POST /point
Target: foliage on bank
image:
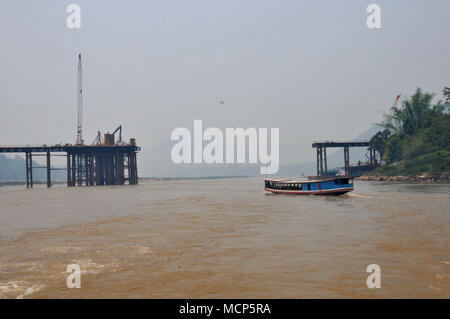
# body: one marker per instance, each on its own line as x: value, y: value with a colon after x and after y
x: 416, y: 136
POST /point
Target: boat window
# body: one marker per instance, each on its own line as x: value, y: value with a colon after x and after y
x: 343, y: 181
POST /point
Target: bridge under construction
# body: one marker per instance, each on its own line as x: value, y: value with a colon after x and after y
x: 89, y: 165
x: 321, y: 150
x: 104, y: 162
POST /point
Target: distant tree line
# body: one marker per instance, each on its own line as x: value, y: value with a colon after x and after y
x: 416, y: 135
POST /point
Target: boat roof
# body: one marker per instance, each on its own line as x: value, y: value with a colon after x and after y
x: 303, y: 181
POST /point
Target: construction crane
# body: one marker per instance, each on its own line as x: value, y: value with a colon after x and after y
x: 80, y: 103
x: 396, y: 101
x: 120, y: 133
x: 98, y: 139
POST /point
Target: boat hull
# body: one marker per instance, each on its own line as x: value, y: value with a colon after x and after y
x: 332, y: 187
x: 331, y: 192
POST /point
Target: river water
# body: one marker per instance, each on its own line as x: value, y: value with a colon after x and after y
x: 224, y: 238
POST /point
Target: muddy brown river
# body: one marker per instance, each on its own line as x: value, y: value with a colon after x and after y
x: 224, y: 238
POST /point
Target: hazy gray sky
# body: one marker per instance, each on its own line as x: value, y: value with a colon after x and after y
x: 311, y: 68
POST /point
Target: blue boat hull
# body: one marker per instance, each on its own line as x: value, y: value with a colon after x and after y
x: 331, y: 187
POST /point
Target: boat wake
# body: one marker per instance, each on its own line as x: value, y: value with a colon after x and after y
x: 359, y: 196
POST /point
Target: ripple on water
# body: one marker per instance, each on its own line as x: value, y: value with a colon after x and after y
x: 19, y: 289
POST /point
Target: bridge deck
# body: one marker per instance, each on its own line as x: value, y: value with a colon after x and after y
x: 340, y: 144
x: 67, y: 148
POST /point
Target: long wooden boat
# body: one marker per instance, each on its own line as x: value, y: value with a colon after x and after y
x: 332, y: 186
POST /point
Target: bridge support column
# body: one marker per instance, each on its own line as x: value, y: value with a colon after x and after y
x: 318, y: 165
x: 69, y: 183
x: 321, y: 161
x: 26, y: 170
x: 99, y: 175
x: 49, y: 182
x: 29, y: 169
x: 347, y: 160
x: 108, y: 169
x: 119, y: 168
x: 92, y: 170
x: 132, y: 168
x: 136, y: 179
x: 74, y: 171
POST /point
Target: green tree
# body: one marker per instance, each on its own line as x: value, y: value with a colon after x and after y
x: 378, y: 141
x: 416, y: 135
x: 410, y: 116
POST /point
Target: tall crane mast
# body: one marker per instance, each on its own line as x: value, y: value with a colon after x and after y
x: 80, y: 103
x: 396, y: 101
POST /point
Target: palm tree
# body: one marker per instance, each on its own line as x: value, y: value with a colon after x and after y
x: 410, y: 116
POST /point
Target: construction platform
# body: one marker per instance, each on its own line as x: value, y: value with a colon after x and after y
x: 321, y: 150
x: 90, y: 165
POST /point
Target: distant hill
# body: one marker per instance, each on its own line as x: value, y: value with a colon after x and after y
x: 13, y: 170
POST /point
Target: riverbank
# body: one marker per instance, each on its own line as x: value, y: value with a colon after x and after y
x: 401, y: 178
